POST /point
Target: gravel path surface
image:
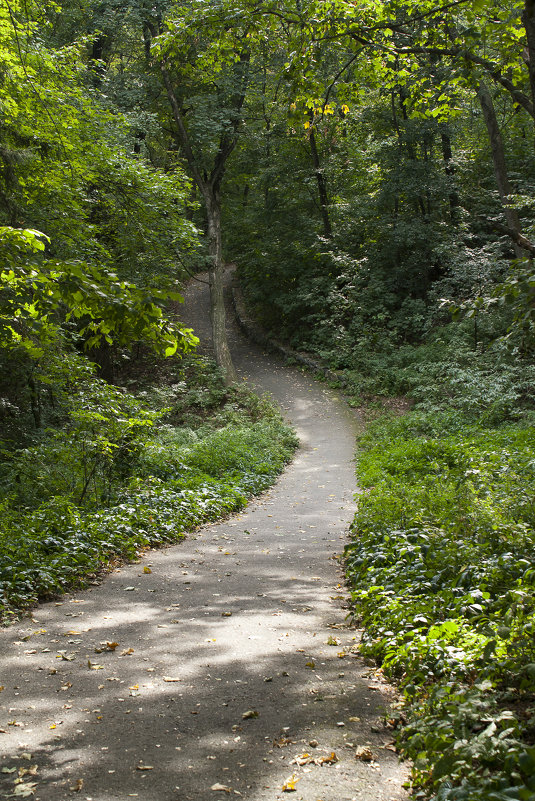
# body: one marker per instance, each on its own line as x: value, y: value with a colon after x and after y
x: 229, y: 662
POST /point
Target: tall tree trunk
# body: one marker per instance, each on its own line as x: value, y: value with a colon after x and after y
x: 500, y: 166
x: 449, y: 169
x: 217, y: 303
x: 322, y: 185
x: 209, y: 188
x: 528, y: 21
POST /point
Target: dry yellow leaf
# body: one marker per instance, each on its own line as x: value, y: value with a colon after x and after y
x: 289, y: 784
x: 326, y: 760
x: 220, y: 787
x: 147, y: 570
x: 127, y: 652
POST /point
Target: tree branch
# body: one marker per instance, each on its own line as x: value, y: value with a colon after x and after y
x: 181, y: 129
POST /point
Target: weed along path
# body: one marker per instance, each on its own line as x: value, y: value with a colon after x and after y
x: 229, y: 670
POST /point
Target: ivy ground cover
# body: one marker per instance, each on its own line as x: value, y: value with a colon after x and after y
x: 442, y: 572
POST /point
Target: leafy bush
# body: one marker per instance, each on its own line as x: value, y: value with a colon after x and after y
x: 441, y: 569
x: 117, y: 478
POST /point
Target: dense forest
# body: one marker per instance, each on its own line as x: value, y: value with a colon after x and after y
x: 370, y: 169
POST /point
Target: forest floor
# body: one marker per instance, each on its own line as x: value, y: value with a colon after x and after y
x: 220, y: 667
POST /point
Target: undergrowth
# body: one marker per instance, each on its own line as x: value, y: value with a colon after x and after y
x: 127, y: 471
x: 442, y: 574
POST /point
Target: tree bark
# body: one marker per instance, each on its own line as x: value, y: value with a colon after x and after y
x: 528, y: 21
x: 449, y: 169
x: 500, y: 166
x: 217, y: 301
x: 322, y: 186
x: 209, y: 188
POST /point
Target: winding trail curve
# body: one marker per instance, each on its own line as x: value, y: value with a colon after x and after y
x: 238, y: 618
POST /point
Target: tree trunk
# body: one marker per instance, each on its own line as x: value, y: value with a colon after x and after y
x: 209, y: 188
x: 217, y: 303
x: 500, y: 166
x: 528, y: 20
x: 449, y: 169
x: 322, y: 186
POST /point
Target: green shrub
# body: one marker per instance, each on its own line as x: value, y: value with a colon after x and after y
x: 116, y: 478
x: 442, y: 576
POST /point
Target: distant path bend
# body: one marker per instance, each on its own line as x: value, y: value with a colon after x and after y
x: 244, y: 616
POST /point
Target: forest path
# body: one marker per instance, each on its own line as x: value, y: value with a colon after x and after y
x: 236, y: 618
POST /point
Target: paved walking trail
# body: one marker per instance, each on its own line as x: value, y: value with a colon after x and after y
x: 236, y: 619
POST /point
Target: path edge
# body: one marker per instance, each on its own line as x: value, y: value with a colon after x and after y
x: 257, y: 334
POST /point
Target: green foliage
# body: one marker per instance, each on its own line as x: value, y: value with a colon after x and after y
x: 116, y: 477
x: 442, y: 577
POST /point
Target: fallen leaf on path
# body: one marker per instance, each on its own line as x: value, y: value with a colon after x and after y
x: 2, y: 687
x: 77, y: 786
x: 66, y: 657
x: 220, y: 787
x: 289, y: 784
x: 171, y: 678
x: 226, y: 614
x: 311, y: 665
x: 326, y: 760
x: 127, y: 652
x: 144, y: 767
x: 251, y: 713
x: 25, y: 789
x: 93, y: 666
x: 308, y: 759
x: 129, y: 589
x: 147, y: 570
x: 31, y: 771
x: 302, y: 759
x: 364, y: 754
x: 8, y: 770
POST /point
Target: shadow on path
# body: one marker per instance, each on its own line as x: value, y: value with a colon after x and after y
x: 244, y: 616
